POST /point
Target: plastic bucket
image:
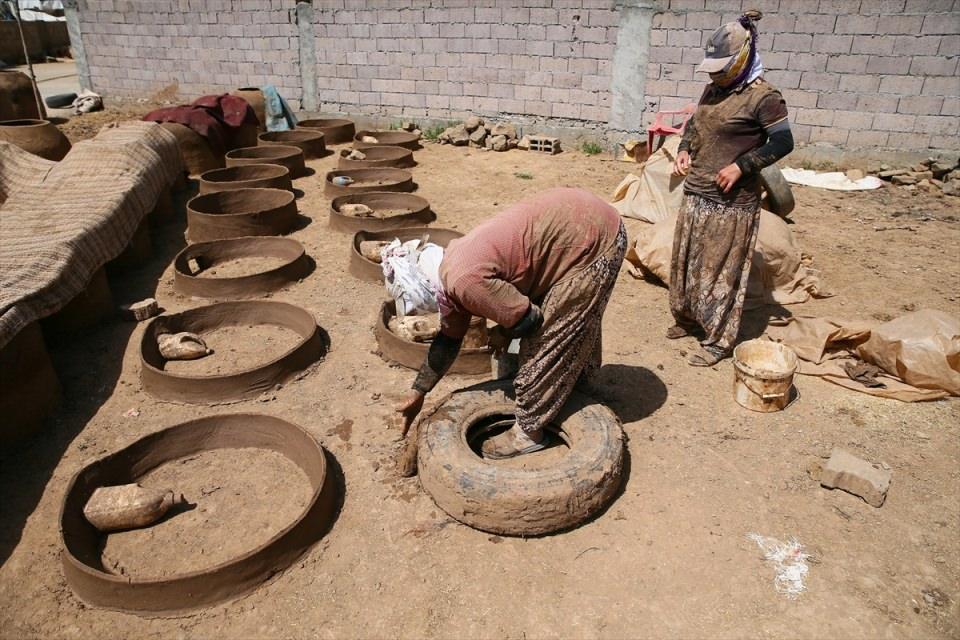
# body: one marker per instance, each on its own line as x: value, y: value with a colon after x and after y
x: 763, y: 375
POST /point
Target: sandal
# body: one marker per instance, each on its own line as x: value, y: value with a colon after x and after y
x: 680, y: 331
x: 706, y: 358
x: 503, y: 446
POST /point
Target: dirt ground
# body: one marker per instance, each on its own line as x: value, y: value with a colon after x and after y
x: 669, y: 558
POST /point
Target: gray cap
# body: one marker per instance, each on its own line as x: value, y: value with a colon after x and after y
x: 725, y: 43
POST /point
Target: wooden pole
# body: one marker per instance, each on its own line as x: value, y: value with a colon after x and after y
x: 26, y: 56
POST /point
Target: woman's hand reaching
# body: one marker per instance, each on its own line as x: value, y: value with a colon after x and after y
x: 682, y: 164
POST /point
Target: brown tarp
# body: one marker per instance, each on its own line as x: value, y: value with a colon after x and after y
x: 919, y: 353
x: 61, y: 221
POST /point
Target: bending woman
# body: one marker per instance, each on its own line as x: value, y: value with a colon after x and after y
x: 543, y: 270
x: 739, y: 128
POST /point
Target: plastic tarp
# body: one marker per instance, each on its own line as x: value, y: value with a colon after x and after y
x: 832, y: 180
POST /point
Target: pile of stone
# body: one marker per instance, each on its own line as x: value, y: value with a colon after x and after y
x: 484, y: 135
x: 929, y: 174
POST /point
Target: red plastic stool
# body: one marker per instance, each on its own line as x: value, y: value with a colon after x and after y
x: 664, y: 129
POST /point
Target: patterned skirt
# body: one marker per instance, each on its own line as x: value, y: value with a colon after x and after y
x: 568, y: 344
x: 712, y: 251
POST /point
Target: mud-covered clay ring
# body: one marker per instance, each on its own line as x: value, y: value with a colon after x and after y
x: 238, y: 385
x: 365, y: 269
x: 82, y: 562
x: 209, y: 254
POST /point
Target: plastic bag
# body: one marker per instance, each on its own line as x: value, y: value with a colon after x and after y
x: 411, y: 276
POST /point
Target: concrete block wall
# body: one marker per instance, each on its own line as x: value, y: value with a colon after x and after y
x: 854, y: 73
x: 137, y: 47
x: 450, y: 58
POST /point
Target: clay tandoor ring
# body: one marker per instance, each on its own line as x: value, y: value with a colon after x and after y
x: 420, y: 213
x: 390, y: 180
x: 209, y: 254
x: 241, y: 212
x: 365, y: 269
x: 409, y: 354
x: 240, y: 385
x: 310, y: 141
x: 247, y: 176
x: 335, y: 130
x: 398, y: 157
x: 387, y: 138
x: 82, y: 562
x: 290, y: 157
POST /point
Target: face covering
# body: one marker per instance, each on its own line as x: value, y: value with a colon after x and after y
x: 745, y: 67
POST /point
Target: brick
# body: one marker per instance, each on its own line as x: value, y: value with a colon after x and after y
x: 900, y: 24
x: 858, y: 24
x: 941, y: 87
x: 878, y: 103
x: 837, y: 100
x: 511, y: 46
x: 888, y: 65
x: 832, y: 43
x: 704, y: 20
x: 796, y: 98
x: 941, y: 23
x: 678, y: 38
x: 676, y: 72
x: 830, y: 135
x: 928, y: 6
x: 819, y: 81
x: 539, y: 48
x: 908, y: 141
x: 603, y: 18
x: 856, y: 120
x: 859, y: 83
x: 801, y: 133
x: 853, y: 475
x: 601, y: 51
x: 808, y: 62
x: 894, y: 122
x: 877, y: 45
x: 792, y: 42
x: 784, y: 79
x: 537, y: 108
x: 779, y: 23
x: 516, y: 16
x: 920, y: 105
x: 870, y: 7
x: 933, y: 66
x: 864, y: 139
x: 691, y: 55
x: 487, y: 14
x: 813, y: 116
x: 669, y: 21
x: 917, y: 45
x: 937, y: 125
x: 901, y: 85
x: 839, y: 6
x: 687, y: 5
x: 774, y: 60
x: 847, y: 64
x: 814, y: 23
x: 661, y: 88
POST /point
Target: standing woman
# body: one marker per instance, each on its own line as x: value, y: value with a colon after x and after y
x: 543, y: 270
x: 739, y: 128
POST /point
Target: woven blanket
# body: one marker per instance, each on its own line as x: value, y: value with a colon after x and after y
x: 60, y: 222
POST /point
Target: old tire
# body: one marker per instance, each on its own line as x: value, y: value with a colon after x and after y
x: 514, y: 501
x: 779, y: 196
x: 60, y: 100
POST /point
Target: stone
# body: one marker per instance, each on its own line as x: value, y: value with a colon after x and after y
x: 488, y: 143
x: 472, y: 123
x: 890, y: 173
x: 357, y: 210
x: 952, y: 188
x: 903, y: 179
x: 416, y: 132
x: 524, y: 143
x: 499, y: 143
x: 925, y: 184
x: 142, y: 310
x: 457, y: 135
x: 952, y: 176
x: 937, y: 183
x: 507, y: 130
x: 408, y: 126
x: 356, y: 154
x: 940, y: 169
x: 920, y: 167
x: 853, y: 475
x: 854, y: 175
x: 922, y: 175
x: 478, y: 135
x: 884, y: 167
x: 512, y: 143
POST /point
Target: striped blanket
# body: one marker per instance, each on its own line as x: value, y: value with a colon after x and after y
x: 61, y: 221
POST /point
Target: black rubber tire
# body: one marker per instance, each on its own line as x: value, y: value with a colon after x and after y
x: 61, y: 100
x: 779, y: 196
x: 514, y: 501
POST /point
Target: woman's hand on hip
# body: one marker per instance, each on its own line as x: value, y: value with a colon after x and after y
x: 408, y: 409
x: 682, y: 164
x: 728, y: 177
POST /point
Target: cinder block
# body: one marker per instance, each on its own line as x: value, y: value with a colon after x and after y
x: 664, y: 54
x: 669, y: 21
x: 852, y: 23
x: 913, y: 141
x: 793, y: 42
x: 950, y: 44
x: 900, y: 24
x: 878, y: 103
x: 859, y: 83
x: 819, y: 81
x: 878, y: 45
x: 686, y: 5
x: 822, y: 117
x: 937, y: 125
x: 511, y: 46
x: 796, y: 98
x: 847, y: 63
x: 661, y: 88
x: 837, y: 100
x: 832, y: 43
x: 598, y: 50
x: 830, y: 135
x: 901, y: 85
x: 853, y: 120
x: 894, y: 122
x: 683, y: 38
x: 871, y: 7
x: 602, y: 18
x: 859, y: 139
x: 784, y: 79
x: 813, y: 23
x: 933, y: 66
x: 889, y: 65
x: 934, y: 86
x: 856, y: 476
x: 503, y: 31
x: 928, y: 6
x: 946, y: 24
x: 490, y: 15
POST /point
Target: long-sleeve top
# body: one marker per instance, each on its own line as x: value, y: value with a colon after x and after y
x: 513, y: 259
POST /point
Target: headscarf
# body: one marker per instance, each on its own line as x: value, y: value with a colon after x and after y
x: 745, y: 66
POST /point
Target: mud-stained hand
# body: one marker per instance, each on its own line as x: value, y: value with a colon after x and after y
x: 498, y: 340
x: 408, y: 409
x: 728, y: 177
x: 682, y: 164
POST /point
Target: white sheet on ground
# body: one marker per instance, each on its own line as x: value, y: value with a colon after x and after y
x: 833, y: 180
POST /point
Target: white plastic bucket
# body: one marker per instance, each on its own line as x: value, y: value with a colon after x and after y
x: 763, y: 375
